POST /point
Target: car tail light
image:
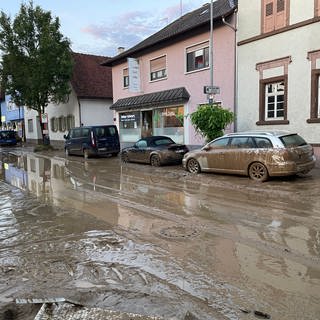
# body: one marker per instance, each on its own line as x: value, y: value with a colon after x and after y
x: 93, y: 141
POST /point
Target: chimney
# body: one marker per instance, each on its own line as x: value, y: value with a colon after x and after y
x: 120, y: 50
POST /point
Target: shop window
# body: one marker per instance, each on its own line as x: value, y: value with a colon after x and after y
x: 275, y: 14
x: 30, y: 125
x: 273, y: 100
x: 126, y: 78
x: 130, y: 126
x: 198, y: 57
x: 169, y: 122
x: 158, y: 68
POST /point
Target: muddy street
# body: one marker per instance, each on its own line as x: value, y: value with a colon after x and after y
x: 156, y: 241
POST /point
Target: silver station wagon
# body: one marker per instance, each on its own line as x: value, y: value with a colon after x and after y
x: 257, y: 154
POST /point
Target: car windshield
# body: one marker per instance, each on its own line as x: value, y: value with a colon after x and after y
x: 163, y: 141
x: 292, y: 140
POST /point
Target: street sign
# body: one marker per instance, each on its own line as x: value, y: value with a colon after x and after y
x: 211, y: 89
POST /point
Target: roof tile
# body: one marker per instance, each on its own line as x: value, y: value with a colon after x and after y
x: 90, y: 79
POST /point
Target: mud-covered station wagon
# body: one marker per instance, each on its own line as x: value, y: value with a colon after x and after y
x: 259, y: 155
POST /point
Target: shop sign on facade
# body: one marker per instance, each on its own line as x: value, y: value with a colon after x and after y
x: 129, y: 117
x: 134, y: 75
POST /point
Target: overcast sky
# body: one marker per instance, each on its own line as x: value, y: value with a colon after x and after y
x: 101, y: 26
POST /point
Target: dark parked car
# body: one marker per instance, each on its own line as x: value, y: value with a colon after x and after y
x: 8, y: 138
x: 156, y: 150
x: 256, y: 154
x: 92, y: 141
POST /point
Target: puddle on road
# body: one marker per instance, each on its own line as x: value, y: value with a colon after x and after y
x: 161, y: 244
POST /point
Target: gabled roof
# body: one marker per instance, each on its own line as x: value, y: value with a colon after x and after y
x: 155, y: 99
x: 182, y: 26
x: 90, y: 79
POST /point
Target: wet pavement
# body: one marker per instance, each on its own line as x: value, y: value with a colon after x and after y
x: 156, y: 241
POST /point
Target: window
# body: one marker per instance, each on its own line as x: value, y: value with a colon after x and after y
x: 274, y: 101
x: 30, y: 125
x: 54, y: 124
x: 273, y: 91
x: 242, y: 142
x: 70, y: 122
x: 85, y: 132
x: 275, y: 14
x: 142, y: 144
x: 158, y: 68
x: 198, y: 57
x: 126, y: 78
x: 315, y: 95
x: 221, y: 143
x: 62, y: 124
x: 76, y: 133
x: 263, y: 142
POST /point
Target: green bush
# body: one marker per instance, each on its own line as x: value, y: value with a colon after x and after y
x: 210, y: 120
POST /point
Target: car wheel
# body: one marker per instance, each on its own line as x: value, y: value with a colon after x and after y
x: 124, y: 157
x: 155, y: 161
x: 258, y: 172
x: 86, y: 153
x: 193, y: 166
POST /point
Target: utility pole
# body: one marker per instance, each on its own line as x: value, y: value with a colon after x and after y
x: 211, y: 90
x: 211, y: 44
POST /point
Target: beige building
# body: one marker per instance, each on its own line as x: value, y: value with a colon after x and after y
x: 279, y: 67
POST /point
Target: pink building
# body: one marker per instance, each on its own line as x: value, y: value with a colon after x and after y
x: 160, y: 81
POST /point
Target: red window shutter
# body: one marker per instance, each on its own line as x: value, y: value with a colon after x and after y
x: 268, y: 15
x: 280, y: 14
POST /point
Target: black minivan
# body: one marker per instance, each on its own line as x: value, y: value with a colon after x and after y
x: 92, y: 141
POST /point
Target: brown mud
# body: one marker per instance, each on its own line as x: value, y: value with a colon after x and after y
x: 157, y: 241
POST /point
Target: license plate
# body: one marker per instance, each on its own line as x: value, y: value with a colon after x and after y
x: 180, y: 151
x: 102, y: 149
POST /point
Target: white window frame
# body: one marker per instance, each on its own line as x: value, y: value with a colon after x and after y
x: 125, y: 78
x: 276, y: 94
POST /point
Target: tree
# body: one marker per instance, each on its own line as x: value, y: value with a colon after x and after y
x: 36, y: 64
x: 210, y: 120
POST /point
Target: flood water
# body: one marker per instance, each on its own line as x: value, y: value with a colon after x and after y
x: 156, y: 241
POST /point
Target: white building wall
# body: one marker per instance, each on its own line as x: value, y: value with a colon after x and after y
x: 96, y: 112
x: 35, y: 134
x: 85, y: 111
x: 295, y: 43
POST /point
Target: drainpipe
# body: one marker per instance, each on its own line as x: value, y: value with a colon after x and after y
x: 80, y: 122
x: 234, y: 28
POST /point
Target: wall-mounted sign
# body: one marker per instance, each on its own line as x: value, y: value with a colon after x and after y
x: 134, y: 75
x: 128, y: 117
x: 44, y: 117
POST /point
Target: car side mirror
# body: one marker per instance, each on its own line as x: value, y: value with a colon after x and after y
x: 65, y: 136
x: 206, y: 148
